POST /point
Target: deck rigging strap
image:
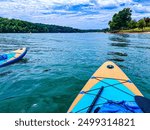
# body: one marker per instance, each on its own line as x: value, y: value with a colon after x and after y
x: 95, y: 99
x: 115, y: 86
x: 18, y: 53
x: 98, y: 95
x: 93, y: 77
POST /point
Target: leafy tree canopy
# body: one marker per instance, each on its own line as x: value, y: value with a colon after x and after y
x: 121, y: 19
x: 141, y: 24
x: 19, y: 26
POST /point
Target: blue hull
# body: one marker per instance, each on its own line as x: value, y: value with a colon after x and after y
x: 14, y: 60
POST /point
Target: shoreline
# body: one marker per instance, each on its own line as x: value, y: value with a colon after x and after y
x: 134, y: 32
x: 130, y: 32
x: 145, y: 30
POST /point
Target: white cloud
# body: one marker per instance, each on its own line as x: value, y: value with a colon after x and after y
x: 70, y: 2
x: 139, y: 8
x: 106, y: 3
x: 140, y: 11
x: 26, y: 6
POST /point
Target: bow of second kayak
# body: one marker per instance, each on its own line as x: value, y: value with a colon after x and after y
x: 12, y: 57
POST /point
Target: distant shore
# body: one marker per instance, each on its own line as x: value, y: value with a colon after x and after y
x: 20, y: 26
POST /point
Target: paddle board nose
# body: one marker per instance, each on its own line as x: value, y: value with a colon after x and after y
x: 13, y: 57
x: 116, y: 87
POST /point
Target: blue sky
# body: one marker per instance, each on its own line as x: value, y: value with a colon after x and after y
x: 83, y: 14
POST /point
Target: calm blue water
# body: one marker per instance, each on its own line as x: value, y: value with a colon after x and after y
x: 57, y: 66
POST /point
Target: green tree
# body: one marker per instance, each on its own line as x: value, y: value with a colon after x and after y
x: 132, y: 24
x: 121, y: 19
x: 147, y: 21
x: 141, y: 24
x: 19, y: 26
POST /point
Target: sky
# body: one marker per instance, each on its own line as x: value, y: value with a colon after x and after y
x: 82, y: 14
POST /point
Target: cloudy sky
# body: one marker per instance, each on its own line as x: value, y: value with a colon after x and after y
x: 84, y: 14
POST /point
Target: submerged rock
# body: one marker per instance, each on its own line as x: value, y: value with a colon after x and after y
x: 117, y: 53
x: 119, y: 39
x: 122, y: 66
x: 120, y: 44
x: 25, y: 60
x: 5, y: 73
x: 46, y: 70
x: 117, y: 59
x: 142, y: 47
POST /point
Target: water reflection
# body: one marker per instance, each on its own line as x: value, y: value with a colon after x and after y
x: 119, y: 38
x: 124, y: 35
x: 144, y: 36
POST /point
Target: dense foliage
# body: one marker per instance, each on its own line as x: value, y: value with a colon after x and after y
x: 141, y: 23
x: 122, y: 20
x: 19, y: 26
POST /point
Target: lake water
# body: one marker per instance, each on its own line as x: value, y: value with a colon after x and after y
x: 57, y: 66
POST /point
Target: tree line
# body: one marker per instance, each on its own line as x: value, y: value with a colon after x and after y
x: 122, y: 21
x: 19, y: 26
